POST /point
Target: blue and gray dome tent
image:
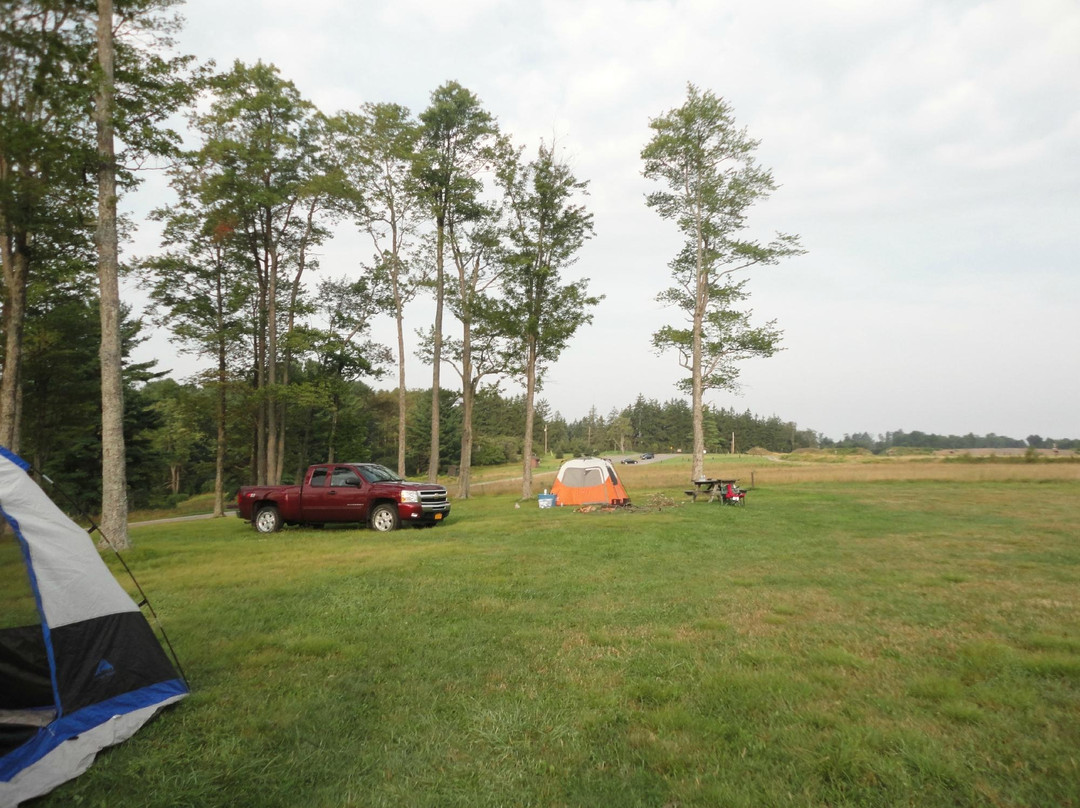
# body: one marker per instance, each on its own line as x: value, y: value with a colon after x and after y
x: 80, y: 667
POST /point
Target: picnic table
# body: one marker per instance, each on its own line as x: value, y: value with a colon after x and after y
x: 727, y: 491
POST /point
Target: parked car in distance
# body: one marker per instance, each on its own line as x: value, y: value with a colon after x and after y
x: 344, y: 492
x: 648, y: 456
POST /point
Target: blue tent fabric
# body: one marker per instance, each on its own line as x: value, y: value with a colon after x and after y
x: 80, y: 667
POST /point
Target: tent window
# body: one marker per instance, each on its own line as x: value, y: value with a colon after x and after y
x: 24, y: 666
x: 583, y: 478
x: 18, y: 607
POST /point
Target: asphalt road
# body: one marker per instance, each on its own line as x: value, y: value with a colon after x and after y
x: 191, y: 518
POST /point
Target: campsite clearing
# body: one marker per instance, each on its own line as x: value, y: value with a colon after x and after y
x: 865, y: 643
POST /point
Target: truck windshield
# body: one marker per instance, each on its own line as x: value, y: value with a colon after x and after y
x: 377, y: 474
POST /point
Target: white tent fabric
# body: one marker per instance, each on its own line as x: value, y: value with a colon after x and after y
x: 90, y: 646
x: 73, y: 757
x: 73, y: 584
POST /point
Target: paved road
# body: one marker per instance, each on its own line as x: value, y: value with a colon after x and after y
x: 191, y: 518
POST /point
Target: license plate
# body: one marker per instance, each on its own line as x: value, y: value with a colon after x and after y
x: 438, y: 516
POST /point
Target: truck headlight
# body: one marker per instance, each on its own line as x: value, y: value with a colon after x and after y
x: 410, y: 496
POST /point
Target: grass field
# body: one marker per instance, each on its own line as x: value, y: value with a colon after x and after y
x: 858, y: 634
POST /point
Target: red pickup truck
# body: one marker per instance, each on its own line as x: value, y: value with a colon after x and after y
x: 344, y: 492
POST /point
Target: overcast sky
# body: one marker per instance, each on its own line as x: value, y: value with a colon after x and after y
x: 927, y: 152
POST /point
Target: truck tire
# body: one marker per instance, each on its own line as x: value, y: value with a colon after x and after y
x: 267, y: 519
x: 384, y: 518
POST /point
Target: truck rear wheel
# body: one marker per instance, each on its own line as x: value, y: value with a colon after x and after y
x: 384, y: 518
x: 267, y: 519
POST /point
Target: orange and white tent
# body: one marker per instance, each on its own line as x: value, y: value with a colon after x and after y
x: 588, y: 481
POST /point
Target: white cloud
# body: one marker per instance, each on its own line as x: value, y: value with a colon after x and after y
x: 446, y: 18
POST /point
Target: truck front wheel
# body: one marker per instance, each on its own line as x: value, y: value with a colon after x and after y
x: 384, y: 518
x: 267, y: 519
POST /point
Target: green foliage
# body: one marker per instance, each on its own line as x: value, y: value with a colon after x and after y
x: 418, y: 429
x: 50, y: 80
x: 709, y: 180
x: 455, y: 141
x: 48, y: 141
x: 62, y: 398
x: 491, y: 452
x: 726, y: 338
x: 549, y: 225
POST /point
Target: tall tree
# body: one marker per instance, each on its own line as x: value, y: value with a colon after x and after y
x: 199, y: 288
x: 456, y: 137
x: 710, y: 179
x: 58, y: 59
x: 260, y: 160
x: 322, y: 186
x: 476, y: 247
x: 377, y: 149
x: 547, y: 227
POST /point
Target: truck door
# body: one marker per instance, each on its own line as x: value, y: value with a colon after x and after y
x: 314, y: 494
x: 341, y: 498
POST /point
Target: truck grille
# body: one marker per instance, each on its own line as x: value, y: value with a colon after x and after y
x: 434, y: 500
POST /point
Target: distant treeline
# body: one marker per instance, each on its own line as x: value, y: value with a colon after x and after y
x: 923, y: 440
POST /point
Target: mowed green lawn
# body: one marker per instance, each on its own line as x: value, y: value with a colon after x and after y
x: 898, y: 643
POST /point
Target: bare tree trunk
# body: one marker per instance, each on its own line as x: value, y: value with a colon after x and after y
x: 433, y: 459
x: 294, y: 294
x: 219, y: 458
x: 305, y: 442
x: 114, y: 507
x: 17, y: 439
x: 530, y: 413
x: 15, y: 265
x: 219, y: 455
x: 467, y: 396
x: 271, y: 368
x: 279, y: 449
x: 402, y: 413
x: 222, y: 401
x: 697, y: 404
x: 261, y: 477
x: 333, y: 433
